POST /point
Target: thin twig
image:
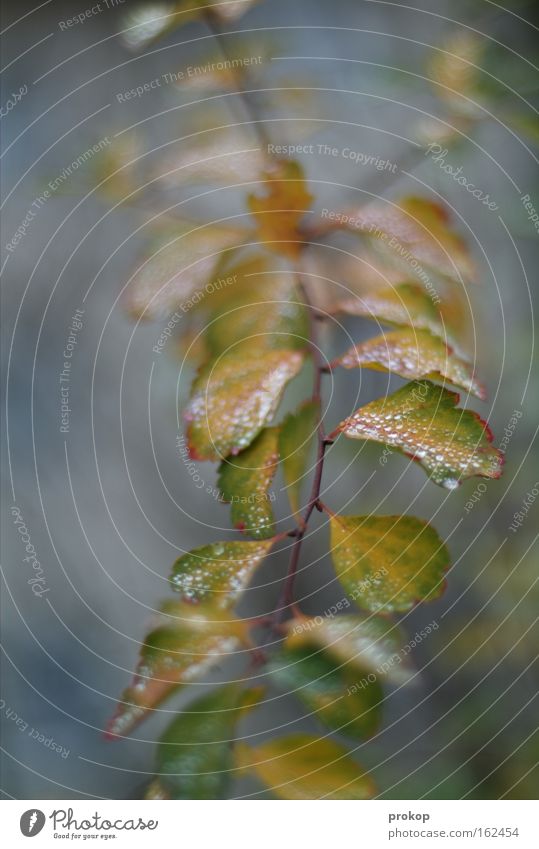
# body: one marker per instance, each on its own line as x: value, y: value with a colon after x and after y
x: 286, y: 598
x: 245, y: 96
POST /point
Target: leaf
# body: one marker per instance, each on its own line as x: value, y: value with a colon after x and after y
x: 305, y: 767
x: 228, y: 158
x: 413, y: 231
x: 268, y: 311
x: 178, y: 269
x: 329, y: 689
x: 278, y: 214
x: 218, y: 573
x: 413, y: 354
x: 455, y: 67
x: 186, y: 643
x: 388, y: 563
x: 404, y: 305
x: 245, y: 480
x: 422, y: 421
x: 228, y: 10
x: 233, y: 398
x: 148, y: 21
x: 194, y: 755
x: 369, y: 645
x: 295, y: 437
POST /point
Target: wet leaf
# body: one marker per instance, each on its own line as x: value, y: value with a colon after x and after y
x: 414, y: 231
x: 305, y: 767
x: 268, y: 311
x: 295, y: 439
x: 388, y: 563
x: 245, y: 480
x: 329, y: 689
x: 195, y: 755
x: 186, y: 643
x: 413, y: 354
x: 175, y: 274
x: 404, y: 305
x: 278, y: 213
x: 233, y: 398
x: 218, y: 573
x: 423, y: 422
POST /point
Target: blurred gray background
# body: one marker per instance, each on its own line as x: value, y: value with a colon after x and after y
x: 109, y: 506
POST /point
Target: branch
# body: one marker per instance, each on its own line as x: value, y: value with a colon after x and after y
x: 286, y: 598
x: 245, y: 96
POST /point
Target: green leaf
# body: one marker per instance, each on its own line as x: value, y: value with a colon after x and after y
x: 369, y: 645
x: 233, y: 398
x: 413, y: 354
x: 178, y: 268
x: 329, y: 689
x: 422, y: 421
x: 245, y: 480
x: 269, y: 312
x: 388, y: 563
x: 406, y: 304
x: 195, y: 755
x: 218, y: 573
x: 186, y: 643
x: 296, y: 434
x: 305, y: 767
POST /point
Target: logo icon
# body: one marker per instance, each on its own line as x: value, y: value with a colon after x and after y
x: 32, y: 822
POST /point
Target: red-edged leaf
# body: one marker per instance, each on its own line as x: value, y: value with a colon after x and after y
x: 422, y: 421
x: 188, y: 641
x: 413, y: 354
x: 233, y: 398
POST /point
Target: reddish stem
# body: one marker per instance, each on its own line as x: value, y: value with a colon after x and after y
x: 287, y: 595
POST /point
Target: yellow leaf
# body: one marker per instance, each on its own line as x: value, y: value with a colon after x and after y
x: 413, y: 354
x: 305, y: 767
x: 277, y: 214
